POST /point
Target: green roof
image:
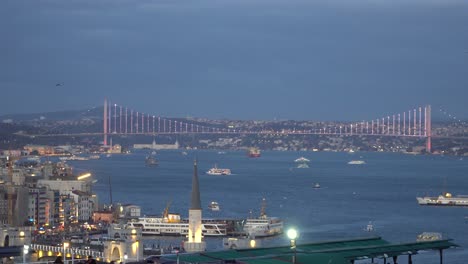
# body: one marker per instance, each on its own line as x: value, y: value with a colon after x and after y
x: 339, y: 251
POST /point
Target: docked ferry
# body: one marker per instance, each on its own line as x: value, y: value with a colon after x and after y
x: 263, y: 225
x: 218, y: 171
x: 173, y: 225
x: 445, y: 200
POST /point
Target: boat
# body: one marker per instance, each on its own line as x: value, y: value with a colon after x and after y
x: 151, y: 159
x: 356, y: 162
x: 429, y: 236
x: 445, y: 199
x: 253, y: 153
x: 213, y: 206
x: 302, y: 166
x: 184, y: 153
x: 369, y: 227
x: 218, y: 171
x: 221, y: 152
x: 263, y: 225
x: 317, y: 185
x: 94, y: 157
x: 302, y: 160
x: 172, y: 225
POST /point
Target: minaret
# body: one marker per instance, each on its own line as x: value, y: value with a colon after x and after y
x: 195, y: 243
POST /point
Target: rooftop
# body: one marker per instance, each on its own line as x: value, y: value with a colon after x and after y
x: 338, y: 252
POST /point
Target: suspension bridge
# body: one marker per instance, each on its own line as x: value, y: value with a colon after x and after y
x: 120, y: 120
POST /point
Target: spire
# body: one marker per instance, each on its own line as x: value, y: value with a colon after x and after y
x: 196, y: 203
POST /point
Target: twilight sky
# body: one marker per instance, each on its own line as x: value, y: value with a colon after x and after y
x: 236, y: 59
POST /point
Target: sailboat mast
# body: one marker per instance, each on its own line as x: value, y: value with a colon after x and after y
x: 110, y: 190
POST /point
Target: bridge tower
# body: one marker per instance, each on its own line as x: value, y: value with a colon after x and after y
x: 105, y: 122
x: 428, y: 129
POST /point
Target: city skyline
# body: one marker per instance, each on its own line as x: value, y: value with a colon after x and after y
x: 322, y: 60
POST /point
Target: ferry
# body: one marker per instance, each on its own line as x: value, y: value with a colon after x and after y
x: 173, y: 225
x: 444, y: 200
x: 301, y: 159
x: 213, y: 206
x: 218, y: 171
x: 254, y: 153
x: 264, y: 225
x: 356, y: 162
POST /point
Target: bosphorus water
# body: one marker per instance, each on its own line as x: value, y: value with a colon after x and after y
x: 383, y: 191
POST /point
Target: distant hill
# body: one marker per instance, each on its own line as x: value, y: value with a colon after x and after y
x: 95, y: 113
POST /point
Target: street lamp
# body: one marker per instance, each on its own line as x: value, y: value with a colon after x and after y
x: 65, y: 245
x: 25, y: 252
x: 292, y: 235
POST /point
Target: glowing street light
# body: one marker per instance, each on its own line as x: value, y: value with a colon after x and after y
x: 84, y: 176
x: 65, y: 246
x: 125, y: 258
x: 292, y: 235
x: 25, y: 252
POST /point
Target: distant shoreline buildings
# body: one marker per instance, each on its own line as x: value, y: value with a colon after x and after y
x: 155, y: 146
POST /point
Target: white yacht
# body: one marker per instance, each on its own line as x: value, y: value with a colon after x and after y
x: 213, y: 206
x: 264, y: 225
x: 218, y: 171
x: 301, y: 159
x: 356, y: 162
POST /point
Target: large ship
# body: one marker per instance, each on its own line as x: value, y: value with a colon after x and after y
x: 218, y: 171
x: 172, y: 225
x: 254, y: 152
x: 263, y: 225
x: 445, y: 200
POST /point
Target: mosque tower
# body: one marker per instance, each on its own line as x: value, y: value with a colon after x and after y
x: 195, y: 241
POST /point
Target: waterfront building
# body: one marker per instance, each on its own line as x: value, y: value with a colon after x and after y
x: 155, y: 146
x: 195, y: 241
x: 86, y: 204
x: 66, y: 186
x: 103, y: 216
x: 39, y: 149
x: 14, y: 199
x: 130, y: 211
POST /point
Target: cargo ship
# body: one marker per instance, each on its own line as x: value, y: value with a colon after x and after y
x: 444, y: 200
x: 254, y: 153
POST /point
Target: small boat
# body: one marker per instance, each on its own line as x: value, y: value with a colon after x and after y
x: 184, y: 153
x: 301, y: 159
x: 221, y: 152
x: 356, y: 162
x: 254, y: 153
x: 213, y: 206
x: 108, y: 155
x: 429, y: 236
x: 317, y: 185
x: 218, y: 171
x: 151, y: 160
x: 369, y: 227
